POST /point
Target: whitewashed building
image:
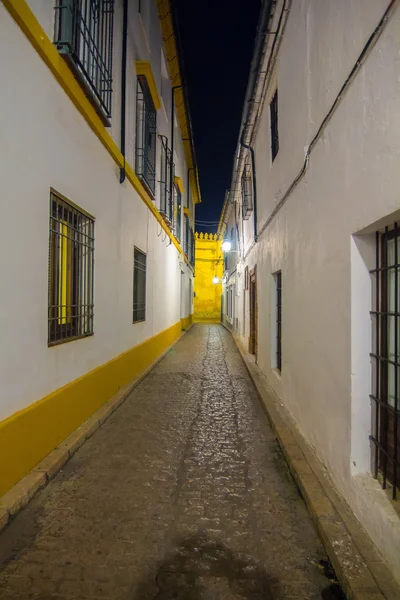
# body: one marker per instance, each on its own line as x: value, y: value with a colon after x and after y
x: 98, y: 186
x: 311, y: 285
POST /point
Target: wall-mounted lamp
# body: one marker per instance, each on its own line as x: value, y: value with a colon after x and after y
x: 215, y: 280
x: 226, y: 245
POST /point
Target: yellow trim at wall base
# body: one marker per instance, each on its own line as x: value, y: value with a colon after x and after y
x: 186, y: 322
x: 30, y: 434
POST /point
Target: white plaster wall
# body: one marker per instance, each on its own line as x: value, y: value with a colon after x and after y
x: 44, y: 143
x: 320, y: 238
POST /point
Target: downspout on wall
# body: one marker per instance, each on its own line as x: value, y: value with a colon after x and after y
x: 123, y: 87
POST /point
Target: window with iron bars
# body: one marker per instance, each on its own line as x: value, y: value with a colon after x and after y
x: 186, y: 234
x: 139, y: 286
x: 71, y: 272
x: 247, y: 192
x: 146, y: 125
x: 178, y: 215
x: 166, y: 198
x: 83, y: 35
x: 385, y: 435
x: 273, y: 112
x: 192, y: 247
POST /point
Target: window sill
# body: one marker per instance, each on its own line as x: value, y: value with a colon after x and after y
x: 71, y: 339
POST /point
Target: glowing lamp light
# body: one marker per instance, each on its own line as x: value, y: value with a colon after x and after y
x: 226, y: 245
x: 215, y: 280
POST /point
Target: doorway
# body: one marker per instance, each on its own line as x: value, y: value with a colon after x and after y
x: 253, y: 311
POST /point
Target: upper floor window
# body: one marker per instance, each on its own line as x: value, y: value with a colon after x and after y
x: 247, y: 192
x: 71, y: 272
x: 178, y: 208
x: 166, y: 199
x: 83, y: 34
x: 146, y: 124
x: 386, y: 359
x: 273, y: 114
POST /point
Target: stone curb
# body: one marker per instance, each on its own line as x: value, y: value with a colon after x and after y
x: 15, y: 499
x: 359, y: 568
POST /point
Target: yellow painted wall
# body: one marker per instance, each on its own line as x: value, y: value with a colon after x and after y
x: 209, y: 262
x: 30, y: 434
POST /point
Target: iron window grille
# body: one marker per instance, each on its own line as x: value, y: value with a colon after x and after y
x: 71, y: 272
x: 166, y: 185
x: 247, y: 192
x: 146, y: 125
x: 273, y: 111
x: 139, y: 286
x: 192, y: 248
x: 385, y: 435
x: 186, y: 240
x: 278, y: 283
x: 178, y: 208
x: 83, y: 35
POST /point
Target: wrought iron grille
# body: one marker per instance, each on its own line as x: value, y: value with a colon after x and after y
x: 278, y: 283
x: 139, y: 286
x: 192, y: 248
x: 385, y: 435
x: 146, y: 125
x: 186, y: 239
x: 273, y: 110
x: 71, y: 272
x: 83, y: 34
x: 166, y: 198
x: 178, y: 216
x: 247, y: 192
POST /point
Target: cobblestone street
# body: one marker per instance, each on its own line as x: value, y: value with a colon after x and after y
x: 183, y: 493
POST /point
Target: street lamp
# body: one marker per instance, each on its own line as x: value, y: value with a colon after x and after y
x: 226, y: 245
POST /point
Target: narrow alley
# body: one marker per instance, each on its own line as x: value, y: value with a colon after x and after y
x: 182, y: 493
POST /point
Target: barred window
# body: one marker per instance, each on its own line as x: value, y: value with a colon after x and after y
x: 166, y: 199
x: 83, y: 34
x: 178, y: 212
x: 71, y: 272
x: 186, y: 236
x: 247, y: 192
x: 385, y: 434
x: 273, y: 112
x: 146, y: 125
x: 139, y: 286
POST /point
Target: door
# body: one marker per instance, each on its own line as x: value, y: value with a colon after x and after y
x: 253, y: 311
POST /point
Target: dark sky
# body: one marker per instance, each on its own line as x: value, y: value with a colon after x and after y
x: 217, y: 38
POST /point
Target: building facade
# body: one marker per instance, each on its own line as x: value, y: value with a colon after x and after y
x: 209, y: 261
x: 311, y: 284
x: 98, y: 176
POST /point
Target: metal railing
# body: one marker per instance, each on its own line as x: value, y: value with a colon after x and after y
x: 146, y: 138
x: 385, y: 434
x: 83, y: 34
x: 139, y: 286
x: 71, y: 272
x: 178, y: 217
x: 247, y: 192
x: 166, y: 192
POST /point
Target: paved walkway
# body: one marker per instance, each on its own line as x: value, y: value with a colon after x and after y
x: 183, y: 493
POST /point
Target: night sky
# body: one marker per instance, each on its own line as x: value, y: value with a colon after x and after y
x: 217, y: 38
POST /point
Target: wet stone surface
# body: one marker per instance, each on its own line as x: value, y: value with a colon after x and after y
x: 183, y: 493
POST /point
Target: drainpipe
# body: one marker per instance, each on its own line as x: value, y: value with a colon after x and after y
x: 171, y: 166
x: 122, y: 174
x: 253, y: 169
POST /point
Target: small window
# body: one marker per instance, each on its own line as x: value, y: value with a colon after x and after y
x: 71, y: 272
x: 146, y: 124
x: 83, y: 34
x: 247, y: 192
x: 273, y: 112
x: 386, y: 359
x: 139, y: 286
x: 178, y: 212
x: 165, y: 181
x: 278, y: 284
x: 186, y: 236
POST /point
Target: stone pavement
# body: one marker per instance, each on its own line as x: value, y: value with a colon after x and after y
x: 183, y: 493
